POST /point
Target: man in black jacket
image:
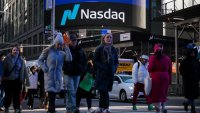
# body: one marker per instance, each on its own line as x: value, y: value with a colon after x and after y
x: 72, y: 71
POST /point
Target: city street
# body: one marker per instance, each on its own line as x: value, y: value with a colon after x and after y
x: 174, y: 105
x: 123, y: 45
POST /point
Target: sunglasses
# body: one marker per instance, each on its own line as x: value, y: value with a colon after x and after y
x: 74, y: 40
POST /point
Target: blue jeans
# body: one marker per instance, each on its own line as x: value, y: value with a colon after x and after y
x: 71, y: 84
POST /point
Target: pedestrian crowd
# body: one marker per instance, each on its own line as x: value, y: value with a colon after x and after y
x: 65, y: 65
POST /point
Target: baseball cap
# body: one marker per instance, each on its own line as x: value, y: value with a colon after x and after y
x: 191, y: 46
x: 145, y: 57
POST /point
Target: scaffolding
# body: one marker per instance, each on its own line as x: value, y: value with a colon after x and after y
x: 184, y: 16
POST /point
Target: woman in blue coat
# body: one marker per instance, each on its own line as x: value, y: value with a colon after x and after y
x: 105, y: 64
x: 51, y: 61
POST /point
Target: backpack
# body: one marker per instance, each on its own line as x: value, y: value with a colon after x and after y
x: 138, y: 64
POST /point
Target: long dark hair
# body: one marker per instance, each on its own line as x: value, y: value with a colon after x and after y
x: 15, y: 46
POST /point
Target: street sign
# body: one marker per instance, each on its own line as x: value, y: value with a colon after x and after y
x: 47, y: 29
x: 49, y: 4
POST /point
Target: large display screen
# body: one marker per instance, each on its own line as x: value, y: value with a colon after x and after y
x: 135, y: 2
x: 100, y: 13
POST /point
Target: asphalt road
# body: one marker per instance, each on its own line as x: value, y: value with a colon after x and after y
x: 174, y: 105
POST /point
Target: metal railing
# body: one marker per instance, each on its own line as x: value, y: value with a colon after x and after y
x: 175, y: 5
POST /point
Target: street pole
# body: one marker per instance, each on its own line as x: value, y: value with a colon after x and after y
x: 176, y: 58
x: 53, y: 19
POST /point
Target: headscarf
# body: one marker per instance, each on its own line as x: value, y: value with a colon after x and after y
x: 158, y: 50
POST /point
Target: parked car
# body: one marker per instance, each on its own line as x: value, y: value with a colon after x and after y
x: 123, y: 87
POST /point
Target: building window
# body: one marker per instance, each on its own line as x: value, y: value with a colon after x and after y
x: 41, y: 42
x: 30, y: 14
x: 35, y: 13
x: 1, y: 25
x: 20, y: 24
x: 17, y: 8
x: 41, y: 12
x: 16, y: 28
x: 34, y: 43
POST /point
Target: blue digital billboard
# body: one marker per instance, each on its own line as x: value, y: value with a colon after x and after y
x: 135, y: 2
x: 97, y: 13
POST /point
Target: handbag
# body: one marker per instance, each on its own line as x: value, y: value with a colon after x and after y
x: 87, y: 82
x: 147, y: 85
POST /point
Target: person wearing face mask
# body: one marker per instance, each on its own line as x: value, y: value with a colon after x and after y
x: 190, y: 71
x: 139, y: 73
x: 105, y: 65
x: 160, y: 69
x: 72, y: 72
x: 51, y: 61
x: 14, y: 75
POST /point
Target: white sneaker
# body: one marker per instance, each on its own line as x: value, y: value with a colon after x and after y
x: 90, y: 110
x: 106, y: 111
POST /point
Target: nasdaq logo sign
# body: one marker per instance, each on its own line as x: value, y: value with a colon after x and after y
x: 70, y: 15
x: 95, y: 14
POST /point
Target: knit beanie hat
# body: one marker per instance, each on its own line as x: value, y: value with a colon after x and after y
x: 145, y: 57
x: 59, y: 38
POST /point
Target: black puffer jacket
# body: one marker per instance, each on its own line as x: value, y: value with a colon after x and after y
x: 78, y: 64
x: 190, y: 71
x: 105, y: 69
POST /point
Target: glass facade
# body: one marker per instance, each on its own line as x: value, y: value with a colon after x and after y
x: 24, y: 22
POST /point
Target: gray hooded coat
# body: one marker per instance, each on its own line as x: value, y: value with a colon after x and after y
x: 51, y: 61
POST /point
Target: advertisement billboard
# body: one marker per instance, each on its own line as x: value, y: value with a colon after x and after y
x: 134, y: 2
x: 100, y: 14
